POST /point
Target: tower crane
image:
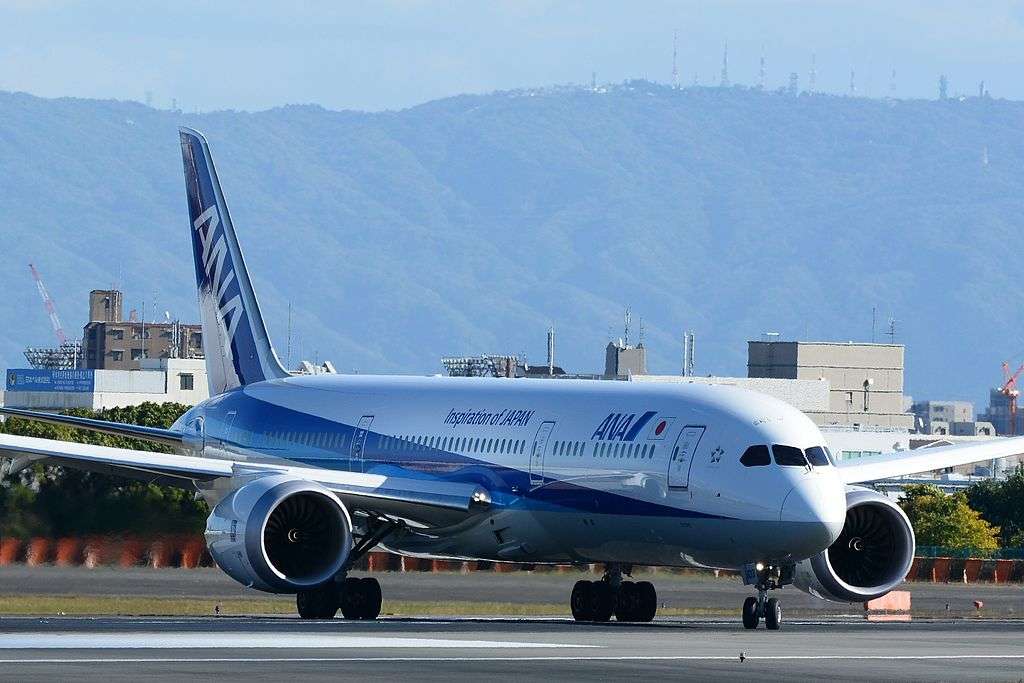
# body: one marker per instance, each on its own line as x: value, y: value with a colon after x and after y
x: 1011, y: 392
x: 58, y: 329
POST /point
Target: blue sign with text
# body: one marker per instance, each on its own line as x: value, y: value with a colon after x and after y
x: 81, y: 381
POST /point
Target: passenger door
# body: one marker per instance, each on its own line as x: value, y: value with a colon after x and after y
x: 355, y: 455
x: 681, y: 457
x: 540, y: 445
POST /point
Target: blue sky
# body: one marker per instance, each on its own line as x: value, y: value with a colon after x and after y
x: 389, y: 55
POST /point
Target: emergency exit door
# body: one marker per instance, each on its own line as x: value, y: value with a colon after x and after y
x: 681, y: 459
x: 540, y: 445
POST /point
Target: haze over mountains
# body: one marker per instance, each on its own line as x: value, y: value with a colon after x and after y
x: 470, y: 224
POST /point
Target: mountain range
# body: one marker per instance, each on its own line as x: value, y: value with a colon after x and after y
x: 470, y: 224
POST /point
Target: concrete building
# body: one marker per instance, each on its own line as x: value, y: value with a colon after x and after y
x: 109, y: 342
x: 865, y: 380
x: 179, y: 380
x: 807, y: 395
x: 938, y: 417
x: 623, y: 360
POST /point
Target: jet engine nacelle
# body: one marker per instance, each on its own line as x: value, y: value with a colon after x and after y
x: 280, y: 534
x: 871, y: 556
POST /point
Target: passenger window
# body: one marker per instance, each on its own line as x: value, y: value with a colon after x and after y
x: 756, y: 456
x: 788, y: 456
x: 818, y: 456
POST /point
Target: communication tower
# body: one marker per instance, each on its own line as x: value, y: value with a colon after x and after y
x: 725, y: 66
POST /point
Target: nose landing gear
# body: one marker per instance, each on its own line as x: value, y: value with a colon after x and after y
x: 766, y: 578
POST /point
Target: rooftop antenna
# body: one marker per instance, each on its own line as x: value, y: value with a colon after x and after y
x: 943, y: 87
x: 762, y: 75
x: 853, y: 83
x: 688, y: 354
x: 640, y: 339
x: 593, y: 81
x: 812, y: 82
x: 551, y: 351
x: 874, y: 312
x: 625, y: 339
x: 675, y: 71
x: 892, y: 330
x: 288, y: 347
x: 892, y: 83
x: 725, y: 66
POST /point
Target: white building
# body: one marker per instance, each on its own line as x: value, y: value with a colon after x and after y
x: 161, y: 380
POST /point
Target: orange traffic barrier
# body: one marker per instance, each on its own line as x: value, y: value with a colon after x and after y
x: 1003, y: 570
x: 10, y: 548
x: 972, y: 570
x: 38, y: 551
x: 940, y: 569
x: 68, y: 552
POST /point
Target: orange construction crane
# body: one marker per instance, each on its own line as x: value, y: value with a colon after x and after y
x: 1010, y: 391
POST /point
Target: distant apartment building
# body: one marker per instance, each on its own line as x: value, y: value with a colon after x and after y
x: 865, y: 380
x: 109, y: 342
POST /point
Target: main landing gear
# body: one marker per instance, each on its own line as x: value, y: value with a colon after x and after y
x: 627, y: 600
x: 768, y: 577
x: 356, y: 598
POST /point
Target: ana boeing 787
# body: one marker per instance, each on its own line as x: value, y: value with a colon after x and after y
x: 305, y: 474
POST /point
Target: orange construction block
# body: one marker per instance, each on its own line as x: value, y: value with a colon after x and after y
x: 893, y: 601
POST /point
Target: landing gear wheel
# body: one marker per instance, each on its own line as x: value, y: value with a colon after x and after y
x: 374, y: 598
x: 360, y: 598
x: 648, y: 601
x: 772, y: 614
x: 602, y: 601
x: 581, y: 599
x: 750, y: 615
x: 627, y: 602
x: 318, y: 603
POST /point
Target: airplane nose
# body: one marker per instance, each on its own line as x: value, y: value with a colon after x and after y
x: 818, y: 509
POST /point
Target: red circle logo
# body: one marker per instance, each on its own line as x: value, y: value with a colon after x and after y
x: 660, y: 428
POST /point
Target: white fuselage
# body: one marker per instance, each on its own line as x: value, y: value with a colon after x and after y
x: 578, y: 471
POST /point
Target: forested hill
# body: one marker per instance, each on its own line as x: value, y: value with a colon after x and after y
x: 470, y: 224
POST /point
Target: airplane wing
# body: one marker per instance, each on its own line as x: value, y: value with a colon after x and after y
x: 875, y: 468
x: 166, y: 437
x: 368, y: 492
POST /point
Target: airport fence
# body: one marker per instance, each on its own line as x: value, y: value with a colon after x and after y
x: 933, y: 564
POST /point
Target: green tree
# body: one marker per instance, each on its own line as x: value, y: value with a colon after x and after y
x: 946, y: 520
x: 1002, y: 504
x: 56, y: 501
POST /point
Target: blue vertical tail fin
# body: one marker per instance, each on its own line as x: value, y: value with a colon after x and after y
x: 235, y: 340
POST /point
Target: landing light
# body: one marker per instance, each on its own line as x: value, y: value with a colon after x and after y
x: 759, y: 567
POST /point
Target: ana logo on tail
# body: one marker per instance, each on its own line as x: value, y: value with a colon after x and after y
x: 218, y: 268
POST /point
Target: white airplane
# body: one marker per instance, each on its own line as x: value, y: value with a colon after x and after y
x: 304, y: 475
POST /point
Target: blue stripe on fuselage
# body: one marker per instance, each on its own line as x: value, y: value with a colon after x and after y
x: 245, y: 422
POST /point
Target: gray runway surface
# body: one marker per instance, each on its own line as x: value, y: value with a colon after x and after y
x: 116, y: 649
x: 692, y: 591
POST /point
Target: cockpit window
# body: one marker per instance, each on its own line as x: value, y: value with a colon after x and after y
x: 756, y: 456
x: 818, y: 456
x: 788, y: 456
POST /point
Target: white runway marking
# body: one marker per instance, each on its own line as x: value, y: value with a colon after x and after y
x: 530, y: 658
x: 166, y: 641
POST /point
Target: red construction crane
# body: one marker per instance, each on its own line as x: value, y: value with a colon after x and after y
x: 1010, y: 391
x: 58, y: 330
